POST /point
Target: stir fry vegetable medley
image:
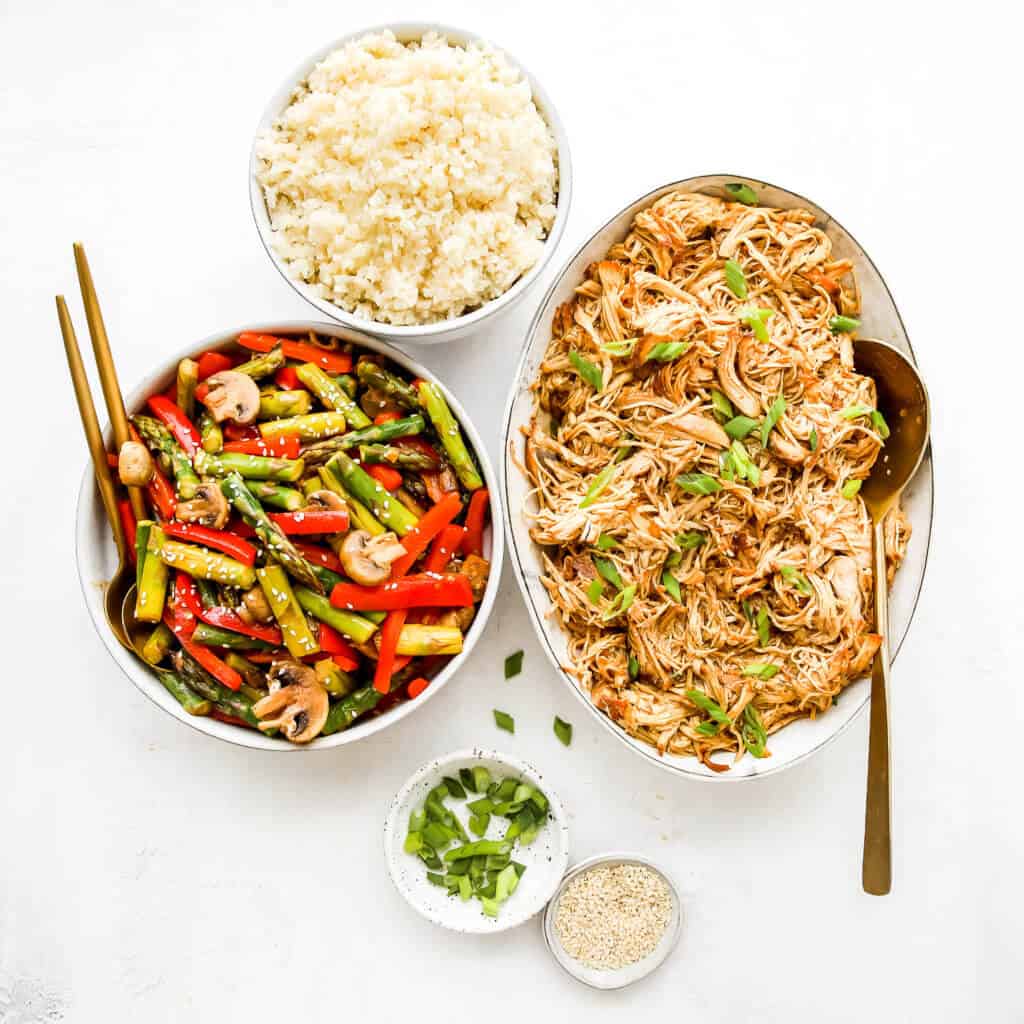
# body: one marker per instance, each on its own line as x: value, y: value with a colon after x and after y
x: 315, y: 546
x: 478, y: 868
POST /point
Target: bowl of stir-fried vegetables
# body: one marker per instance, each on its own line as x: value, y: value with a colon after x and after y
x: 323, y: 539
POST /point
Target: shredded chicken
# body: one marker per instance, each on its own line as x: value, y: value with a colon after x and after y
x: 773, y: 565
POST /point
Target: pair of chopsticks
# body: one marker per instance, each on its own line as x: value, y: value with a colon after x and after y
x: 111, y: 395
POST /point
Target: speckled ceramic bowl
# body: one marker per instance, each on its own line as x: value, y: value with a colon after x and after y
x: 545, y: 858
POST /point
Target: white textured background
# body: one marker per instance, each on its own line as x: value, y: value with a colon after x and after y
x: 148, y: 873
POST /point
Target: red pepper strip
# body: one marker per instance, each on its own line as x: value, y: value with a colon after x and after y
x: 284, y: 447
x: 332, y: 362
x: 429, y: 526
x: 124, y: 508
x: 213, y: 362
x: 220, y: 671
x: 177, y: 422
x: 229, y: 719
x: 287, y: 379
x: 390, y: 479
x: 417, y: 686
x: 186, y: 596
x: 437, y: 482
x: 303, y: 523
x: 333, y: 643
x: 473, y: 542
x: 161, y: 493
x: 386, y: 417
x: 319, y: 556
x: 238, y: 432
x: 447, y: 542
x: 220, y: 540
x: 241, y: 528
x: 423, y: 590
x: 389, y: 633
x: 225, y: 618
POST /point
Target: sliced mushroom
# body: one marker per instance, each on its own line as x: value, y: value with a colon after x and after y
x: 730, y: 380
x: 255, y: 607
x: 703, y: 429
x: 297, y: 703
x: 232, y: 396
x: 367, y: 559
x: 476, y: 570
x: 326, y: 501
x: 135, y: 464
x: 209, y: 507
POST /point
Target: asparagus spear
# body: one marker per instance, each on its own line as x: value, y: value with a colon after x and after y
x: 275, y: 405
x: 363, y: 518
x: 251, y: 673
x: 336, y: 681
x: 298, y: 637
x: 188, y: 378
x: 206, y: 564
x: 365, y: 489
x: 381, y: 433
x: 314, y: 427
x: 197, y: 678
x: 191, y: 701
x: 356, y: 628
x: 158, y: 438
x: 210, y: 433
x: 286, y: 498
x: 345, y: 711
x: 451, y: 436
x: 348, y: 382
x: 332, y: 394
x: 387, y: 454
x: 263, y: 365
x: 279, y: 546
x: 214, y: 636
x: 252, y: 467
x: 421, y: 640
x: 158, y: 644
x: 152, y: 577
x: 373, y: 375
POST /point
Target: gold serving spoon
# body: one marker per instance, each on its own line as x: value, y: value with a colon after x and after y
x: 123, y: 579
x: 903, y: 401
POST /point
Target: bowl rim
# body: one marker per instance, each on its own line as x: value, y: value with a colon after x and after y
x: 436, y: 766
x: 681, y: 770
x: 441, y: 330
x: 87, y: 507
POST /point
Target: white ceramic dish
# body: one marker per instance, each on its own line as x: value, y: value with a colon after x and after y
x: 619, y: 977
x: 96, y: 556
x: 545, y: 858
x: 880, y: 319
x: 445, y: 330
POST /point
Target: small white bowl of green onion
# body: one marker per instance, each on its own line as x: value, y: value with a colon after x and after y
x: 476, y: 841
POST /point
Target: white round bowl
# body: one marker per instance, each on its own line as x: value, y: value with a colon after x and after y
x: 545, y: 858
x: 97, y: 558
x: 880, y: 319
x: 443, y: 330
x: 618, y: 977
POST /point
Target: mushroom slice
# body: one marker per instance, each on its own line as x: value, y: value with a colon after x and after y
x: 326, y: 501
x: 135, y: 464
x: 209, y: 507
x: 232, y: 396
x: 703, y: 429
x: 788, y: 451
x: 255, y: 607
x: 477, y: 570
x: 730, y: 380
x: 367, y: 559
x: 297, y: 703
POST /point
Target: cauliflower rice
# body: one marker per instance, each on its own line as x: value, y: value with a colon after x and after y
x: 410, y: 183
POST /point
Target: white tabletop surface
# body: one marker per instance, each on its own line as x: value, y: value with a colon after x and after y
x: 148, y: 873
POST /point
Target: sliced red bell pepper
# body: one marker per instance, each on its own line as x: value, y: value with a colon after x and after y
x: 284, y: 447
x: 228, y: 719
x: 111, y: 460
x: 319, y: 556
x: 416, y: 687
x: 437, y: 482
x: 177, y: 422
x: 304, y: 351
x: 241, y: 528
x: 240, y: 432
x: 390, y: 630
x: 220, y: 671
x: 302, y: 523
x: 128, y: 524
x: 333, y: 643
x: 446, y: 543
x: 386, y: 417
x: 264, y: 657
x: 162, y: 495
x: 221, y: 540
x: 390, y: 479
x: 226, y: 618
x: 287, y: 379
x: 429, y: 526
x: 422, y: 590
x: 213, y: 362
x: 476, y: 517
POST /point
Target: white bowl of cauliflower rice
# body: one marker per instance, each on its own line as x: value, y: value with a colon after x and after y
x: 410, y: 180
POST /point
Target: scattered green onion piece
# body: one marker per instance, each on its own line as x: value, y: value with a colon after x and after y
x: 691, y: 539
x: 413, y: 842
x: 697, y: 483
x: 736, y: 279
x: 742, y: 193
x: 466, y: 777
x: 606, y: 568
x: 417, y: 819
x: 671, y: 584
x: 601, y: 481
x: 481, y: 778
x: 563, y: 730
x: 755, y: 319
x: 843, y: 324
x: 746, y: 469
x: 674, y: 558
x: 850, y: 488
x: 853, y: 412
x: 465, y: 887
x: 490, y: 906
x: 505, y: 721
x: 708, y: 728
x: 711, y: 708
x: 761, y: 670
x: 513, y: 664
x: 619, y: 348
x: 797, y: 578
x: 455, y: 788
x: 752, y: 730
x: 589, y: 371
x: 606, y: 542
x: 666, y: 351
x: 632, y: 665
x: 739, y: 426
x: 775, y: 411
x: 727, y: 466
x: 623, y: 599
x: 478, y: 823
x: 722, y: 406
x: 763, y: 627
x: 594, y: 591
x: 878, y: 422
x: 436, y: 879
x: 813, y: 440
x: 748, y: 610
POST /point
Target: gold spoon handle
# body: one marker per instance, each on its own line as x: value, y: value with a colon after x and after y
x: 877, y: 865
x: 105, y: 365
x: 91, y: 426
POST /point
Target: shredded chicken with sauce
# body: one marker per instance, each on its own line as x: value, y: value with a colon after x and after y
x: 774, y: 573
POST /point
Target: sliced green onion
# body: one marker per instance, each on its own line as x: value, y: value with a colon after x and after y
x: 505, y: 721
x: 853, y: 412
x: 878, y: 422
x: 632, y: 665
x: 755, y: 319
x: 606, y: 542
x: 671, y: 584
x: 736, y: 279
x: 708, y: 728
x: 727, y: 466
x: 594, y: 591
x: 481, y: 778
x: 513, y: 664
x: 465, y: 887
x: 843, y: 324
x: 752, y: 730
x: 763, y: 626
x: 563, y: 730
x: 748, y: 611
x: 775, y: 411
x: 813, y: 440
x: 466, y: 777
x: 589, y: 371
x: 742, y: 193
x: 417, y: 819
x: 413, y: 842
x: 710, y: 707
x: 623, y: 599
x: 601, y: 481
x: 674, y: 558
x: 739, y: 426
x: 690, y: 540
x: 455, y: 787
x: 850, y: 488
x: 722, y: 406
x: 761, y: 670
x: 697, y: 483
x: 606, y: 567
x: 797, y: 578
x: 666, y: 351
x: 745, y: 467
x: 478, y: 823
x: 619, y: 348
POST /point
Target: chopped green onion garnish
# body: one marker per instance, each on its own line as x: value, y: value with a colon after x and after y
x: 594, y: 591
x: 748, y: 611
x: 745, y: 468
x: 797, y: 578
x: 619, y: 348
x: 563, y: 730
x: 727, y: 466
x: 755, y: 319
x: 722, y: 406
x: 455, y: 787
x: 763, y: 626
x: 741, y: 193
x: 513, y: 664
x: 589, y: 371
x: 739, y: 426
x: 813, y: 440
x: 761, y: 670
x: 505, y: 721
x: 632, y: 665
x: 853, y: 412
x: 606, y: 567
x: 601, y: 481
x: 413, y: 842
x: 606, y: 542
x: 736, y: 279
x: 708, y: 728
x: 775, y: 411
x: 753, y: 732
x: 671, y: 584
x: 623, y: 599
x: 481, y: 778
x: 843, y: 324
x: 691, y: 539
x: 697, y: 483
x: 878, y: 422
x: 666, y: 351
x: 711, y: 707
x: 674, y: 558
x: 850, y: 488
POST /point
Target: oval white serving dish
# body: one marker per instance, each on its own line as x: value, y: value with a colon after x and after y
x: 97, y: 559
x: 443, y: 330
x: 879, y: 318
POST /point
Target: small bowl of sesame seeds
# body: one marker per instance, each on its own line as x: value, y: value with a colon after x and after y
x: 613, y: 920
